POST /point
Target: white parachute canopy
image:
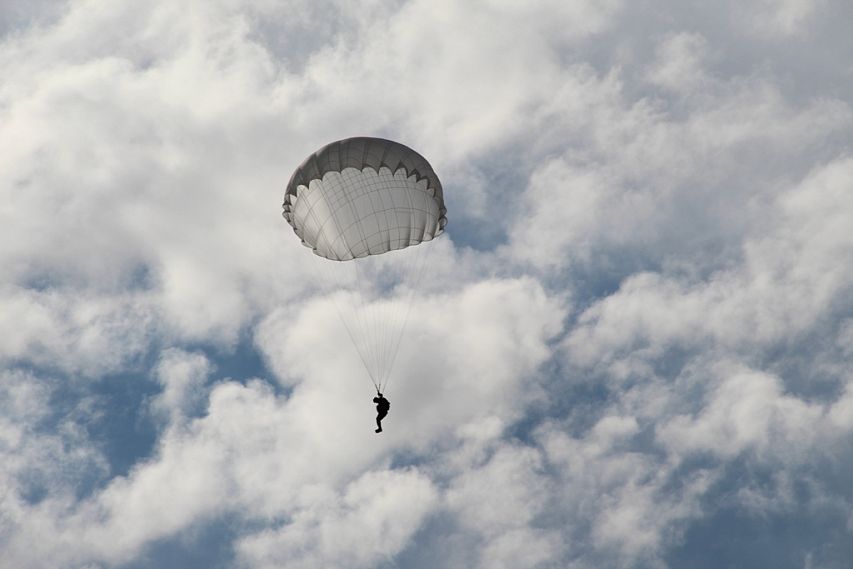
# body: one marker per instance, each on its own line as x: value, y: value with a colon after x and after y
x: 366, y: 206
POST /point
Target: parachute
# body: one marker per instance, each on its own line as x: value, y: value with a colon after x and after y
x: 366, y: 207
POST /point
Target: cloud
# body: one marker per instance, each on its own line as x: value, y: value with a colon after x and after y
x: 477, y: 344
x: 745, y: 412
x: 83, y: 334
x: 183, y: 376
x: 497, y: 502
x: 679, y: 65
x: 792, y: 276
x: 266, y: 457
x: 653, y: 190
x: 371, y: 521
x: 47, y: 462
x: 788, y: 17
x: 631, y: 346
x: 618, y: 500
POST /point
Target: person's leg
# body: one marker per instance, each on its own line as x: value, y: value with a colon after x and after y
x: 379, y: 418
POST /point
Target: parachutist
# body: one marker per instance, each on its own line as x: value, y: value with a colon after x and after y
x: 382, y: 407
x: 352, y: 202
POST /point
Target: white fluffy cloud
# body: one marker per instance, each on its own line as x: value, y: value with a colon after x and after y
x: 372, y: 520
x: 638, y: 320
x: 85, y: 334
x: 310, y: 458
x: 661, y: 189
x: 183, y: 376
x: 794, y: 272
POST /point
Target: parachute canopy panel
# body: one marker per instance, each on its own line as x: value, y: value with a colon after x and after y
x: 364, y: 196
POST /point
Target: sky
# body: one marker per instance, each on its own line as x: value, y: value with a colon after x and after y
x: 630, y: 349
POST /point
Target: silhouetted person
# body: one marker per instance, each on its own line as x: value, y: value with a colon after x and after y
x: 382, y: 406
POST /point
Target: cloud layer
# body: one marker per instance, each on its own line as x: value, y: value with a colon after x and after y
x: 630, y: 349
